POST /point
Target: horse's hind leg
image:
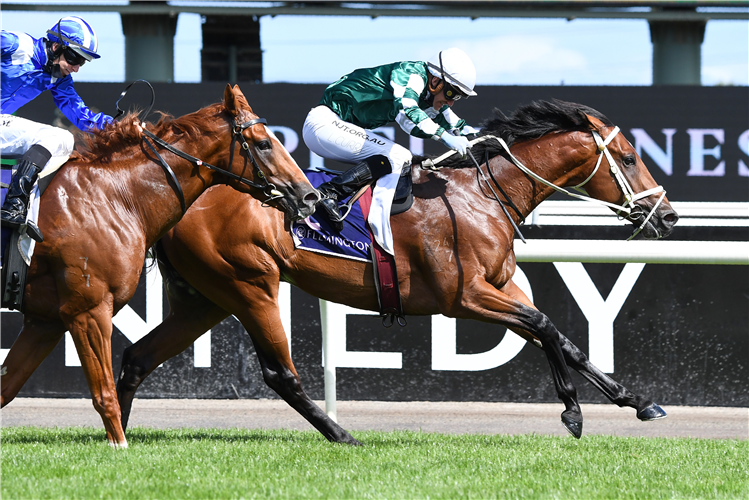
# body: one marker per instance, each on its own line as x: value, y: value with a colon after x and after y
x: 33, y: 345
x: 281, y: 376
x: 187, y: 321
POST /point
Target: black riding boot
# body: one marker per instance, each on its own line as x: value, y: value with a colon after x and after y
x: 16, y: 204
x: 340, y: 187
x: 349, y: 182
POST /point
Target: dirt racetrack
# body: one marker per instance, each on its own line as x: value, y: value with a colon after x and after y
x: 448, y: 417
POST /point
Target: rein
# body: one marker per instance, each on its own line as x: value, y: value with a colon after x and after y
x: 268, y: 188
x: 629, y: 195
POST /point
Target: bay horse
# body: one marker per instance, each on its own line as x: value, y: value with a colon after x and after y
x: 110, y: 203
x: 453, y: 251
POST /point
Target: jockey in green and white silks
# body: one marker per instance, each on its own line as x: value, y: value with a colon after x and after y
x: 418, y: 95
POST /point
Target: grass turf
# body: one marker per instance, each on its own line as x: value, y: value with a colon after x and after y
x: 212, y: 463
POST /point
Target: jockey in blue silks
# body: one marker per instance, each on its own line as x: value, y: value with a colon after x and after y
x: 29, y: 67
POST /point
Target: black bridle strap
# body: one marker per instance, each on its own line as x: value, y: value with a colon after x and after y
x: 168, y: 170
x: 507, y: 214
x: 120, y: 112
x: 267, y: 187
x: 200, y: 162
x: 509, y: 200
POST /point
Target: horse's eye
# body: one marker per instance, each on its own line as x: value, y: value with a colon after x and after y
x: 264, y: 145
x: 629, y: 161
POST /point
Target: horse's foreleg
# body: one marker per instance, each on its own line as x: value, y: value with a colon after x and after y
x: 614, y: 391
x: 33, y: 345
x: 577, y: 360
x: 92, y: 334
x: 185, y: 323
x: 285, y: 381
x: 264, y: 326
x: 509, y: 307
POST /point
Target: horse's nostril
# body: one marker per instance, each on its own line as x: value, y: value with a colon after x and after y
x: 312, y: 197
x: 671, y: 218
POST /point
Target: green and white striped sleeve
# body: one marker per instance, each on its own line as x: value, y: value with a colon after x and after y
x: 408, y: 83
x: 453, y: 123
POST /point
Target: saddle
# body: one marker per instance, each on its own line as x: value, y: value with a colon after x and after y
x: 403, y: 198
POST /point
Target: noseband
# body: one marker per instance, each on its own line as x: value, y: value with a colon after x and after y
x: 630, y: 197
x: 268, y: 188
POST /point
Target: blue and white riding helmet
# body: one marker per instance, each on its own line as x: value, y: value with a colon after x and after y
x: 74, y: 32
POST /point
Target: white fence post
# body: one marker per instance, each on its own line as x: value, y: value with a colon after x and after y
x: 329, y: 362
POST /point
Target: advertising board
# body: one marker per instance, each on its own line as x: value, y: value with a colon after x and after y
x: 675, y: 333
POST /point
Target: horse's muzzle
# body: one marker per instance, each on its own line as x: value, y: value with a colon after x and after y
x: 659, y: 225
x: 298, y: 208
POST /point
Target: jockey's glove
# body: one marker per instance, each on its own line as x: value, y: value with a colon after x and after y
x: 458, y: 143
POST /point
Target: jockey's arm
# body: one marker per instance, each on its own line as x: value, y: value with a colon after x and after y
x: 454, y: 124
x: 73, y: 107
x: 409, y: 85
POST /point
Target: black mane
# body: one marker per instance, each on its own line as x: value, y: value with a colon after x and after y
x: 530, y: 121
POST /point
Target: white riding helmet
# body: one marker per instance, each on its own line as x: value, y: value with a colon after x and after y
x: 456, y: 68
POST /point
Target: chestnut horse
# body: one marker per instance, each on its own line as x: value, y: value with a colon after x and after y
x: 453, y: 251
x: 109, y: 204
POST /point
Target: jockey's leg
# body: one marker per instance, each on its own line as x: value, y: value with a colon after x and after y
x: 15, y: 206
x: 348, y: 183
x: 329, y: 136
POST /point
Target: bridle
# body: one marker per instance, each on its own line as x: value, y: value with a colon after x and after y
x: 268, y: 188
x: 632, y: 211
x: 630, y: 197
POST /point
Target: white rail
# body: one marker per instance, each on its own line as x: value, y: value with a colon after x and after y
x: 691, y: 213
x: 645, y: 251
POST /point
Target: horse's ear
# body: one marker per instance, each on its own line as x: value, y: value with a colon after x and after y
x: 230, y: 100
x: 234, y: 100
x: 595, y: 123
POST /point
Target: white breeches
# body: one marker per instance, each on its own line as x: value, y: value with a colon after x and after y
x: 18, y: 134
x: 327, y: 135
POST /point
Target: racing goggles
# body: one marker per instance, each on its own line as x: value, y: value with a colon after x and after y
x: 452, y: 93
x: 73, y: 57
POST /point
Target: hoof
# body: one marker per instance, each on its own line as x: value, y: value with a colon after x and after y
x: 574, y: 427
x: 652, y: 412
x: 349, y: 439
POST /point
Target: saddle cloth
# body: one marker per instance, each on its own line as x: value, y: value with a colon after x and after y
x: 316, y: 234
x: 355, y: 242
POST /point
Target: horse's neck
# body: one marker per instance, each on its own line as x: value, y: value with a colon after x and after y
x: 526, y: 192
x: 158, y: 198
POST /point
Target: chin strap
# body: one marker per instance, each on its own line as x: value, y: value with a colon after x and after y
x: 50, y: 67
